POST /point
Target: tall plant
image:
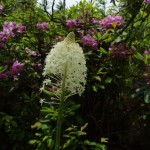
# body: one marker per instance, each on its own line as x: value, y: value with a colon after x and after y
x: 65, y: 73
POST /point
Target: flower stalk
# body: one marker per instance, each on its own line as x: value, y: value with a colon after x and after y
x: 60, y: 112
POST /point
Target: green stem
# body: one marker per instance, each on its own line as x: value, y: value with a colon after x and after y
x: 60, y: 112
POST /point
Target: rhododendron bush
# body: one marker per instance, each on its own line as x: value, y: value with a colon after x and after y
x: 87, y: 90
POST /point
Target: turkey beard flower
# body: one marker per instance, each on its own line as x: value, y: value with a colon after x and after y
x: 66, y: 58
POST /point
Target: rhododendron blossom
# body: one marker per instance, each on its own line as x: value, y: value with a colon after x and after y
x: 42, y: 25
x: 72, y: 23
x: 147, y: 1
x: 21, y: 29
x: 1, y: 8
x: 16, y: 69
x: 95, y: 20
x: 30, y: 52
x: 11, y: 28
x: 107, y: 22
x: 3, y: 75
x: 4, y: 39
x: 88, y: 40
x: 147, y: 52
x: 118, y: 51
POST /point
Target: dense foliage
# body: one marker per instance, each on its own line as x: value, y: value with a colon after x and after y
x: 114, y: 110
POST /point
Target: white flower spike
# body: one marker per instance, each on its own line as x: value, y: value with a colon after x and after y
x: 67, y: 53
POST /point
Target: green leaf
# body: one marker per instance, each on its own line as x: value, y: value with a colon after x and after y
x: 147, y: 96
x: 104, y: 140
x: 117, y: 40
x: 50, y: 143
x: 139, y: 56
x: 32, y: 142
x: 38, y: 134
x: 36, y: 125
x: 95, y: 88
x: 147, y: 58
x: 108, y: 80
x: 81, y: 133
x: 48, y: 93
x: 105, y: 35
x: 114, y: 25
x: 68, y: 143
x: 74, y: 107
x: 98, y: 36
x: 45, y: 138
x: 102, y: 87
x: 103, y: 50
x: 97, y: 78
x: 84, y: 126
x: 69, y: 129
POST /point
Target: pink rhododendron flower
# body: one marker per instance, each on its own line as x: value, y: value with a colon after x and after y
x: 33, y: 53
x: 147, y: 1
x: 10, y: 29
x: 88, y: 40
x: 1, y: 8
x: 42, y: 25
x: 147, y: 52
x: 3, y: 75
x: 72, y: 23
x: 81, y: 32
x: 95, y: 20
x: 38, y: 65
x: 107, y: 22
x: 9, y: 25
x: 118, y: 51
x: 30, y: 52
x: 21, y: 29
x: 4, y: 39
x: 16, y: 68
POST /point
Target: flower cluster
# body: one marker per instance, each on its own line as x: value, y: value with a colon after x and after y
x: 118, y: 51
x: 31, y: 53
x: 70, y: 54
x: 95, y: 20
x: 72, y: 23
x: 88, y: 40
x: 10, y: 29
x: 3, y: 75
x: 95, y: 25
x: 16, y: 68
x: 14, y: 71
x: 107, y: 22
x: 147, y: 1
x: 1, y: 8
x: 42, y: 25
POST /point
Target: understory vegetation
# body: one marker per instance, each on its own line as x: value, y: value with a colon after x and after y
x: 102, y: 102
